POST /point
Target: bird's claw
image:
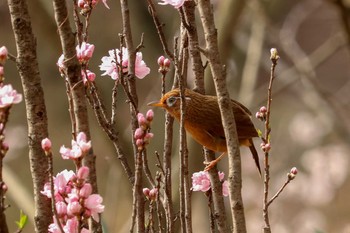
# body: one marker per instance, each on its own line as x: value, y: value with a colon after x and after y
x: 209, y: 165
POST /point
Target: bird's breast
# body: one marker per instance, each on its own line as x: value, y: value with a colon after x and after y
x: 206, y: 139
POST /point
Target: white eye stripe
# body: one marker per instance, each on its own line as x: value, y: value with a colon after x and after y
x: 172, y: 100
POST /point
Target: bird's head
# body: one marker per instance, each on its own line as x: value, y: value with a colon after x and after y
x: 171, y: 102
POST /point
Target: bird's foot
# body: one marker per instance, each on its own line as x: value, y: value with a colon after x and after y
x: 210, y: 165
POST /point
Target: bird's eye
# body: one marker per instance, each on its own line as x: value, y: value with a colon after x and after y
x: 171, y: 101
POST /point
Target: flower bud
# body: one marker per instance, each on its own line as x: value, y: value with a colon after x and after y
x: 4, y: 188
x: 274, y: 54
x: 153, y: 194
x: 5, y: 146
x: 148, y: 136
x: 258, y: 115
x: 74, y: 208
x: 294, y: 170
x: 146, y: 192
x: 1, y: 71
x: 46, y: 145
x: 61, y: 208
x: 167, y: 63
x: 138, y: 133
x: 149, y: 115
x: 139, y: 144
x: 263, y: 109
x: 86, y: 190
x: 292, y: 174
x: 141, y: 119
x: 83, y: 173
x: 3, y: 54
x: 160, y: 61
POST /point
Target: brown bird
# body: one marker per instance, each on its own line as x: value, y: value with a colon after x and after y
x: 203, y: 121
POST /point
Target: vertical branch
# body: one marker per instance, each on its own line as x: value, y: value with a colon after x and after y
x: 28, y: 68
x: 76, y: 88
x: 219, y: 74
x: 274, y: 58
x: 216, y: 197
x: 197, y: 66
x: 185, y: 203
x: 137, y: 189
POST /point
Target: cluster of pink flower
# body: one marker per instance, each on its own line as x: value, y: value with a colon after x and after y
x: 142, y: 134
x: 110, y: 64
x: 8, y: 96
x: 74, y: 200
x: 84, y: 53
x: 201, y: 182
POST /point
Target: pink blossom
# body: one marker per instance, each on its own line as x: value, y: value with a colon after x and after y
x: 200, y: 181
x: 79, y: 148
x: 53, y: 228
x: 174, y: 3
x: 60, y: 182
x: 109, y: 64
x: 71, y: 226
x: 3, y: 54
x: 93, y: 203
x: 74, y: 208
x: 82, y: 142
x: 46, y: 144
x: 84, y: 52
x: 73, y: 153
x: 9, y: 96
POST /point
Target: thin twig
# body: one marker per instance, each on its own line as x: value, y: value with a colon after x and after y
x: 274, y: 58
x: 159, y: 26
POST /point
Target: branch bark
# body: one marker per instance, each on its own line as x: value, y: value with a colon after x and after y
x: 219, y: 74
x: 28, y: 68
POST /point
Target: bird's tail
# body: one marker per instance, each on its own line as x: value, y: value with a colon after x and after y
x: 255, y: 155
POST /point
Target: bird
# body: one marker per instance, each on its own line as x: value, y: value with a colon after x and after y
x: 203, y: 121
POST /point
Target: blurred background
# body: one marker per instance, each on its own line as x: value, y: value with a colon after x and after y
x: 310, y: 108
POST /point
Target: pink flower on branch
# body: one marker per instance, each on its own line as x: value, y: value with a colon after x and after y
x: 201, y: 182
x: 93, y: 203
x: 175, y: 3
x: 9, y: 96
x: 84, y: 52
x: 111, y: 64
x: 79, y: 148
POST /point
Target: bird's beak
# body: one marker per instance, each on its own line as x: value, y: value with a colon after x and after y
x: 156, y: 104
